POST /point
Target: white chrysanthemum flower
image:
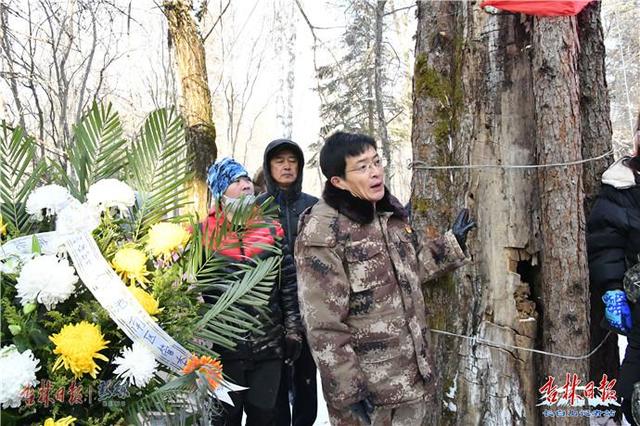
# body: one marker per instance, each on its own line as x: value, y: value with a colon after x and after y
x: 46, y: 279
x: 18, y: 372
x: 78, y: 217
x: 51, y: 198
x: 111, y: 193
x: 137, y: 365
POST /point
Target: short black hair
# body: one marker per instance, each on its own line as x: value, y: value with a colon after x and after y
x: 339, y: 146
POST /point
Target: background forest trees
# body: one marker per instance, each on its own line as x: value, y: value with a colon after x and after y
x: 622, y: 40
x: 55, y: 60
x: 358, y: 86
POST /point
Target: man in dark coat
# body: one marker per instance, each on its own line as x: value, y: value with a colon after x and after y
x: 282, y: 167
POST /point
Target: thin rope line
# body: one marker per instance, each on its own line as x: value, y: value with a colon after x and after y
x: 475, y: 339
x: 422, y: 165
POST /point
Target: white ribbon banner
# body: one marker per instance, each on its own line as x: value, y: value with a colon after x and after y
x: 109, y: 290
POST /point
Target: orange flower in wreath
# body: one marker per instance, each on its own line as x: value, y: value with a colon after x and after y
x: 210, y: 368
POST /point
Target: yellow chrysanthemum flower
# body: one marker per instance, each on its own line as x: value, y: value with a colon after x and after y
x: 131, y: 264
x: 3, y: 227
x: 167, y: 238
x: 65, y: 421
x: 148, y: 302
x: 78, y: 345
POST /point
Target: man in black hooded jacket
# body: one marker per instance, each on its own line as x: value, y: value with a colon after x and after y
x: 283, y: 165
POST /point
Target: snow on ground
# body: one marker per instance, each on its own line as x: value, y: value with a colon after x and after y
x: 622, y: 346
x: 323, y: 415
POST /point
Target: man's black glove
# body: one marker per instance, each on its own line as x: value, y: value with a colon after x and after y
x: 363, y: 410
x: 461, y: 226
x: 293, y: 347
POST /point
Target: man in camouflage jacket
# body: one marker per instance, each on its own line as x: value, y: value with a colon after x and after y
x: 360, y: 268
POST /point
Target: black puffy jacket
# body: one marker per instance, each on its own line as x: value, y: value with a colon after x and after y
x: 292, y: 201
x: 613, y: 228
x: 282, y: 311
x: 613, y: 245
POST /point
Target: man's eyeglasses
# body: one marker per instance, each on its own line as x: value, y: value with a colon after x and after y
x: 378, y: 163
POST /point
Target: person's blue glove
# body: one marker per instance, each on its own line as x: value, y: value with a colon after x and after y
x: 617, y: 311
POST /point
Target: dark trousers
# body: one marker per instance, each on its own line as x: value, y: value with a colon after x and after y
x: 630, y: 369
x: 301, y: 381
x: 259, y: 401
x: 629, y: 374
x: 626, y: 409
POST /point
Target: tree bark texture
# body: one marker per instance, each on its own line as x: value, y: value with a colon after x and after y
x: 564, y: 284
x: 596, y: 140
x: 382, y: 123
x: 504, y: 90
x: 196, y: 96
x: 437, y: 103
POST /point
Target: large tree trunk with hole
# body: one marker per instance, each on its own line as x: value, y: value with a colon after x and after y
x: 196, y: 97
x: 481, y: 96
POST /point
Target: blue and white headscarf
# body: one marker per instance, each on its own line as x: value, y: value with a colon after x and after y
x: 222, y: 174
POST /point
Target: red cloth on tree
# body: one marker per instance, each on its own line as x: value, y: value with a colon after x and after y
x: 539, y: 7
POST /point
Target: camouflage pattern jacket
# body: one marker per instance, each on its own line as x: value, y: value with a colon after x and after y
x: 360, y: 271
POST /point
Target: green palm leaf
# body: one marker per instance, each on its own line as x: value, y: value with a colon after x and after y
x: 18, y: 177
x: 158, y: 168
x: 221, y: 324
x: 175, y: 401
x: 98, y: 149
x: 230, y: 284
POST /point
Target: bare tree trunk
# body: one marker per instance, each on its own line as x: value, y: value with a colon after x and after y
x: 432, y: 200
x: 382, y: 123
x: 596, y: 140
x: 285, y: 51
x: 565, y: 291
x: 594, y: 100
x: 31, y: 66
x: 83, y: 84
x: 196, y: 97
x: 291, y: 74
x: 370, y: 102
x: 62, y: 51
